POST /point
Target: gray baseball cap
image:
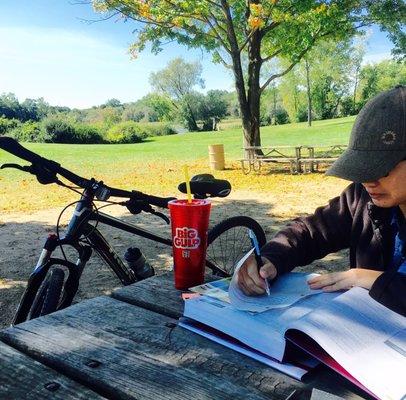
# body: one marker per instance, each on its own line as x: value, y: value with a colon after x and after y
x: 378, y: 139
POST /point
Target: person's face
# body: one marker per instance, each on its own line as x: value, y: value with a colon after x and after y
x: 389, y: 191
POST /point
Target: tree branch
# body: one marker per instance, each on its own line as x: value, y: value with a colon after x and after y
x: 223, y: 62
x: 273, y: 55
x: 246, y: 41
x: 271, y: 26
x: 218, y: 36
x: 275, y: 76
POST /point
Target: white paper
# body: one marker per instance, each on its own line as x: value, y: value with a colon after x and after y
x: 285, y: 291
x: 217, y: 289
x: 289, y: 369
x: 263, y: 332
x: 365, y: 338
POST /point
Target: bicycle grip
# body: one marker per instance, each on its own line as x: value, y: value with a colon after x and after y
x: 12, y: 146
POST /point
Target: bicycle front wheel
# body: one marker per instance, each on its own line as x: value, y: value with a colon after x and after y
x: 49, y: 294
x: 229, y: 241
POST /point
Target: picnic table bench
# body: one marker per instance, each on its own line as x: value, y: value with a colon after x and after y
x: 300, y: 158
x: 129, y: 346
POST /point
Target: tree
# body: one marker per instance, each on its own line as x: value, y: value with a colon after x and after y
x: 330, y: 65
x: 260, y: 30
x: 325, y: 75
x: 112, y: 103
x: 177, y: 80
x: 375, y: 78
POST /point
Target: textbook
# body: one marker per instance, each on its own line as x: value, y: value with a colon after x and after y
x: 348, y: 331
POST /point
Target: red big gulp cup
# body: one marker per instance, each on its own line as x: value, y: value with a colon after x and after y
x: 189, y: 222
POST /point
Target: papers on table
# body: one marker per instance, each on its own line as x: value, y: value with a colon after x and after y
x: 285, y: 291
x: 367, y: 339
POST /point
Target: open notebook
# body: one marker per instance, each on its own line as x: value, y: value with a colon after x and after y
x: 350, y: 332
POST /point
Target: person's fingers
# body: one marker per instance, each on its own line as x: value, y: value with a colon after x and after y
x: 253, y: 287
x: 268, y: 270
x: 245, y: 290
x: 321, y: 281
x: 340, y: 285
x: 248, y: 278
x: 333, y: 282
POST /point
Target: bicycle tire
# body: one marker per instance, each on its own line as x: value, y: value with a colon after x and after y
x: 49, y: 294
x: 223, y: 251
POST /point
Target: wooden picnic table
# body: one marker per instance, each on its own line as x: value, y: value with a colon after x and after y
x: 299, y: 158
x: 129, y: 346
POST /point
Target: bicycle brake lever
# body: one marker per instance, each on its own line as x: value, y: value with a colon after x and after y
x: 161, y: 215
x: 24, y: 168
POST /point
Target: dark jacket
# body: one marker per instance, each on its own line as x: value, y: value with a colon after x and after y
x: 348, y: 221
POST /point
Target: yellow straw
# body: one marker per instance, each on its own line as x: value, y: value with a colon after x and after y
x: 188, y: 191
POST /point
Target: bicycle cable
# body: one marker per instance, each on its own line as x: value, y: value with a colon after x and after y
x: 94, y: 207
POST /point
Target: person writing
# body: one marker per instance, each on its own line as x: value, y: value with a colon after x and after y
x: 369, y: 217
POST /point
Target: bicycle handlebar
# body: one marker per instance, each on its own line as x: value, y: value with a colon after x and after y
x: 12, y: 146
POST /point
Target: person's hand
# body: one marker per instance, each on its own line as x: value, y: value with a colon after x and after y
x: 252, y: 282
x: 344, y: 280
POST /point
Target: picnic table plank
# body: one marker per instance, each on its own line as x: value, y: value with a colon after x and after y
x: 156, y: 293
x: 22, y: 378
x: 142, y: 354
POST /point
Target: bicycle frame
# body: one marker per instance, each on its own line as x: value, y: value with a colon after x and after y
x: 79, y: 227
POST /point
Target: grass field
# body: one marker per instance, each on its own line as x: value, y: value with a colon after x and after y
x: 155, y: 166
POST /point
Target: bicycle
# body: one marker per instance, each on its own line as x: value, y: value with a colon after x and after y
x: 54, y: 282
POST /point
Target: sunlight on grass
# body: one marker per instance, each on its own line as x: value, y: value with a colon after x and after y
x: 155, y: 166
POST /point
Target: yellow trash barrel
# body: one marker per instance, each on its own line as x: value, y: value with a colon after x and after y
x: 216, y: 157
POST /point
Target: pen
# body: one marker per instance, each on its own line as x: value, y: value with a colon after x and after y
x: 258, y: 258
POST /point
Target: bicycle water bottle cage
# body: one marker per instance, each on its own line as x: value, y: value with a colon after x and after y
x: 205, y: 185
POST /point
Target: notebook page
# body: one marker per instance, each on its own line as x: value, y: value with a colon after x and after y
x: 285, y: 291
x: 365, y: 338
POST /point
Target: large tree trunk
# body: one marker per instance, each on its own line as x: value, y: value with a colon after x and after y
x: 249, y: 104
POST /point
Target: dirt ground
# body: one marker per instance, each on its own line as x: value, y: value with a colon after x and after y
x: 22, y: 236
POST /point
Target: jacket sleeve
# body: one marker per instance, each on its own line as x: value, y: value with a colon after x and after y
x: 389, y: 289
x: 307, y: 239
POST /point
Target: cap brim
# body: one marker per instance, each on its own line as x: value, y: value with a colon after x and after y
x: 365, y: 166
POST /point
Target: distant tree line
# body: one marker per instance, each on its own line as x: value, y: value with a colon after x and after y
x: 329, y: 82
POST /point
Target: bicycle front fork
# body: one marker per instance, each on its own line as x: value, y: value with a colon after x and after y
x: 45, y: 262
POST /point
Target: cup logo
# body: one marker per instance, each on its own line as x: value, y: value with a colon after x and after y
x: 186, y: 238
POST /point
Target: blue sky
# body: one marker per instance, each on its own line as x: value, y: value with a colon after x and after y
x: 48, y: 50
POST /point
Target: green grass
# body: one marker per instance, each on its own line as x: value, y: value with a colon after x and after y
x: 155, y: 166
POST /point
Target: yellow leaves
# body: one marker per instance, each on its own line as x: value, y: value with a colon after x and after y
x: 99, y: 6
x: 256, y: 18
x: 144, y: 9
x: 255, y: 22
x: 321, y: 9
x: 256, y: 10
x: 177, y: 22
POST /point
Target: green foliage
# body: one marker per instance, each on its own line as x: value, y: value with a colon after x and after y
x: 259, y: 31
x: 58, y: 131
x: 156, y: 129
x: 29, y: 109
x: 87, y: 134
x: 161, y: 107
x: 114, y: 103
x: 178, y: 78
x: 348, y: 107
x: 281, y: 116
x: 125, y: 132
x: 28, y: 132
x: 7, y: 125
x: 375, y: 78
